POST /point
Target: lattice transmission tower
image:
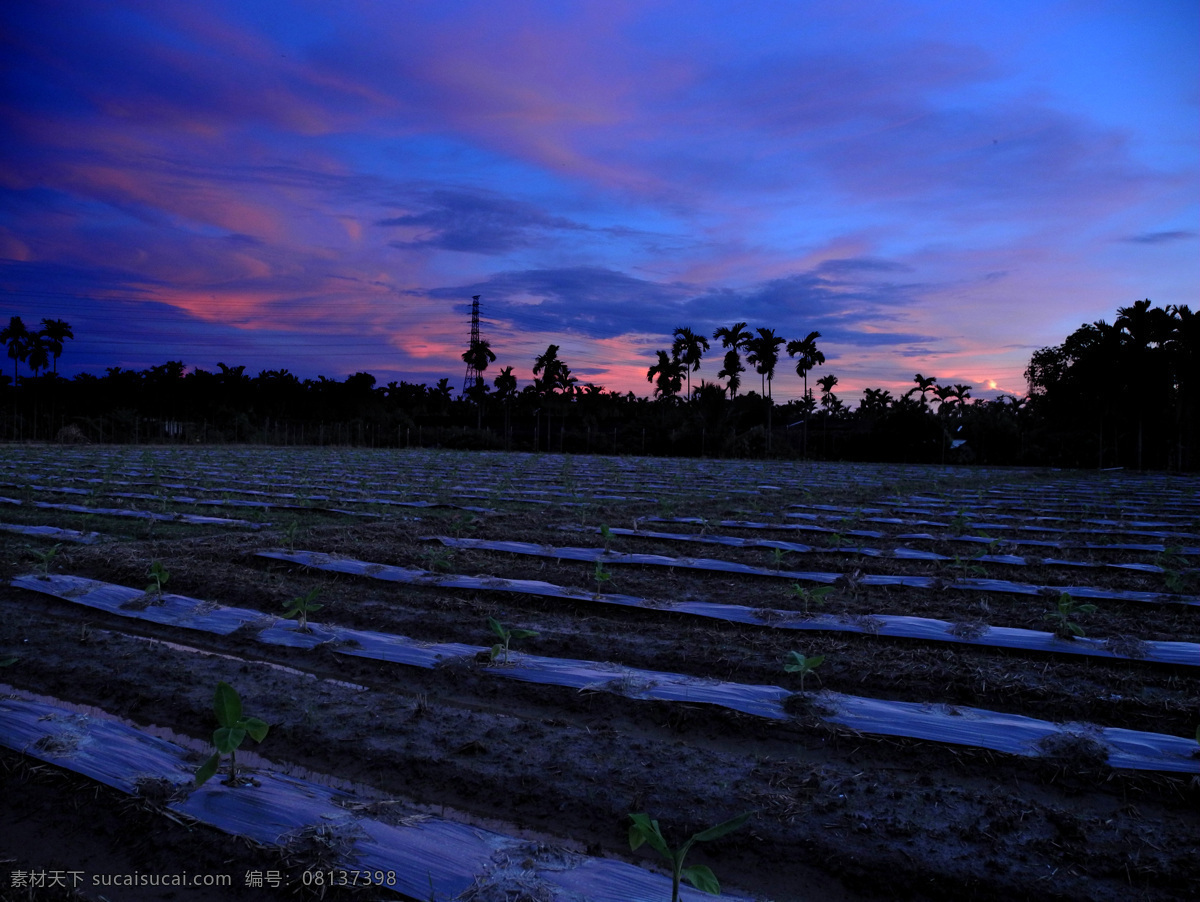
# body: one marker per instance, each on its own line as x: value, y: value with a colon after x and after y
x: 474, y: 373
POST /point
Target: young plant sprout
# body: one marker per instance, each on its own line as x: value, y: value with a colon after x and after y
x: 301, y: 606
x: 601, y: 576
x: 607, y: 535
x: 811, y: 596
x: 803, y: 665
x: 777, y: 556
x: 158, y: 575
x: 1064, y: 626
x: 46, y: 557
x: 645, y: 830
x: 291, y: 534
x: 438, y: 559
x: 229, y: 736
x: 506, y: 635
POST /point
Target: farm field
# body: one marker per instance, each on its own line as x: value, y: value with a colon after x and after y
x: 994, y: 688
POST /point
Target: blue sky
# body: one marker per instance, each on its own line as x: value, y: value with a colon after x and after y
x: 936, y: 187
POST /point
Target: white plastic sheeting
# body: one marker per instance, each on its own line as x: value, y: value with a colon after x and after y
x: 1014, y: 734
x: 896, y: 626
x: 426, y: 855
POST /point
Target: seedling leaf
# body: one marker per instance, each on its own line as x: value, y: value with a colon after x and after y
x: 256, y: 728
x: 702, y: 877
x: 228, y: 705
x: 207, y: 769
x: 733, y: 823
x: 227, y: 739
x: 645, y: 830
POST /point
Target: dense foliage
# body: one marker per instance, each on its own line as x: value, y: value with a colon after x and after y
x: 1120, y: 395
x: 1126, y: 394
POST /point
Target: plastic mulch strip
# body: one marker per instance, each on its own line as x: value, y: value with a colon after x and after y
x: 1010, y: 733
x: 970, y: 584
x: 192, y: 519
x: 1151, y: 547
x: 167, y: 608
x: 900, y: 553
x: 54, y: 533
x: 1125, y: 647
x: 426, y: 854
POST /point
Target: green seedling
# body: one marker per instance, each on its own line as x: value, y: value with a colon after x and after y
x: 301, y: 606
x: 438, y: 559
x: 464, y: 523
x: 777, y: 556
x: 12, y: 659
x: 1177, y: 576
x: 45, y: 558
x: 803, y: 665
x: 158, y: 575
x: 1064, y: 626
x: 292, y: 533
x: 964, y: 564
x: 607, y: 535
x: 601, y: 576
x: 645, y: 830
x: 506, y: 635
x: 808, y: 596
x: 959, y: 524
x: 229, y: 736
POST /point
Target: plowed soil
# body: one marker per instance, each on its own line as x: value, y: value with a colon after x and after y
x: 837, y: 815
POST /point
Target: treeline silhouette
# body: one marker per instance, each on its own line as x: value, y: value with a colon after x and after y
x: 1119, y: 395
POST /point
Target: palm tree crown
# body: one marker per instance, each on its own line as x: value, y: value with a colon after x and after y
x: 807, y: 355
x: 54, y: 333
x: 17, y: 337
x: 689, y: 348
x: 669, y: 374
x: 764, y: 355
x: 734, y: 338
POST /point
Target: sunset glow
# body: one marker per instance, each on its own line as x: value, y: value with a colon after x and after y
x: 935, y: 187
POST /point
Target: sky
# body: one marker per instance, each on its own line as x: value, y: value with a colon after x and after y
x: 935, y: 187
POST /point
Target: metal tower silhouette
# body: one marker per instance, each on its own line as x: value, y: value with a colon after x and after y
x: 473, y: 372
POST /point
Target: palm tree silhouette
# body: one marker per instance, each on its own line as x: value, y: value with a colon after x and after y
x: 764, y: 354
x: 734, y: 338
x: 829, y: 400
x: 807, y: 356
x: 17, y: 337
x: 55, y: 332
x: 1143, y: 326
x: 875, y: 401
x: 38, y: 353
x: 669, y: 373
x: 506, y: 390
x: 731, y: 371
x: 924, y: 385
x: 689, y: 348
x: 551, y: 372
x: 477, y: 357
